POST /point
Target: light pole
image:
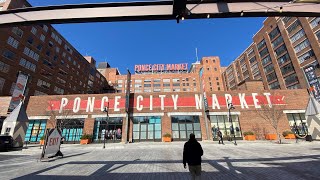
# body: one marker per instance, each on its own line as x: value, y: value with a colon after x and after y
x: 230, y: 106
x: 105, y: 130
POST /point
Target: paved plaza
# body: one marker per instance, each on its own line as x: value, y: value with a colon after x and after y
x: 151, y: 160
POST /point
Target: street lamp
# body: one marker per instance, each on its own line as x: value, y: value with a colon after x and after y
x: 230, y: 106
x: 104, y: 137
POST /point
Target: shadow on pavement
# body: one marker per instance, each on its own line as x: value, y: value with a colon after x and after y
x: 298, y: 167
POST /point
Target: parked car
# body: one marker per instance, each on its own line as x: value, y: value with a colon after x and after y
x: 6, y: 142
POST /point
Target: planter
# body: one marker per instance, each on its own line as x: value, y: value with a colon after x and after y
x: 271, y: 137
x: 41, y: 142
x: 250, y: 137
x: 167, y: 139
x: 85, y: 141
x: 290, y: 136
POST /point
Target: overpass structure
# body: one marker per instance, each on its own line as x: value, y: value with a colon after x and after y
x: 158, y: 10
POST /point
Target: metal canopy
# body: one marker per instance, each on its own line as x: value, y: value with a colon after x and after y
x: 157, y: 10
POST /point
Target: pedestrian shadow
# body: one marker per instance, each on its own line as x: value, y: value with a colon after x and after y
x: 295, y: 167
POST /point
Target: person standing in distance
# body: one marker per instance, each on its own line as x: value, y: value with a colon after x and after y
x: 192, y: 153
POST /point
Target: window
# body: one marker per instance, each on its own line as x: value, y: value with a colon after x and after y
x: 165, y: 80
x: 34, y: 30
x: 147, y: 81
x: 156, y: 80
x: 138, y: 81
x: 2, y: 80
x: 264, y: 52
x: 156, y: 85
x: 31, y: 53
x: 42, y: 37
x: 8, y: 131
x: 274, y: 33
x: 8, y: 54
x: 286, y: 69
x: 268, y: 68
x: 293, y: 26
x: 58, y: 90
x: 215, y: 69
x: 318, y: 35
x: 302, y: 45
x: 252, y: 60
x: 4, y: 67
x: 17, y: 31
x: 283, y: 59
x: 277, y: 42
x: 166, y: 85
x: 27, y: 64
x: 39, y: 93
x: 13, y: 42
x: 50, y: 43
x: 147, y: 85
x: 45, y: 28
x: 250, y: 52
x: 39, y: 47
x: 217, y: 78
x: 291, y: 79
x: 272, y: 76
x: 222, y: 123
x: 261, y: 44
x: 176, y: 84
x: 306, y: 56
x: 30, y: 40
x: 315, y: 22
x: 274, y: 85
x: 280, y: 50
x: 43, y: 84
x: 286, y: 19
x: 297, y: 36
x: 175, y: 80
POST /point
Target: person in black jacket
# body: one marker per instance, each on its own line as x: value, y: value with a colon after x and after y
x: 192, y: 153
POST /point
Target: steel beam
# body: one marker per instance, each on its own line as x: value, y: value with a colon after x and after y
x: 155, y: 10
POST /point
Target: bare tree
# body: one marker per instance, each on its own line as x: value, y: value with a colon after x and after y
x: 60, y: 119
x: 272, y: 113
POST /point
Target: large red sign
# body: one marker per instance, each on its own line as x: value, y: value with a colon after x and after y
x: 156, y: 102
x: 160, y: 67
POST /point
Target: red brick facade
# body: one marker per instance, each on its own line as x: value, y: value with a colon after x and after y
x: 173, y: 104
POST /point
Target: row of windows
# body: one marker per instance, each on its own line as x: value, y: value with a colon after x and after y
x: 302, y: 45
x: 43, y: 84
x: 27, y: 64
x: 293, y: 26
x: 58, y: 90
x: 306, y: 56
x: 13, y: 42
x: 4, y: 67
x: 31, y: 53
x: 315, y: 22
x: 297, y: 36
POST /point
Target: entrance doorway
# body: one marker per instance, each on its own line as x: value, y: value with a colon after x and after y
x: 110, y: 128
x: 147, y: 128
x: 183, y: 126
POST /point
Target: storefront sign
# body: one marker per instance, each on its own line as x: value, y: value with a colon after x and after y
x: 156, y: 102
x: 160, y: 67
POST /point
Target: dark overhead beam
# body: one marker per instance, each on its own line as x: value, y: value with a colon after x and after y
x: 156, y: 10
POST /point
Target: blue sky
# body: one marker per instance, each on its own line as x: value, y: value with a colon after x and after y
x: 124, y: 44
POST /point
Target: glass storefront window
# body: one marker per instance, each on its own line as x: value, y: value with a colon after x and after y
x: 298, y: 123
x: 36, y: 130
x: 146, y: 128
x: 109, y: 128
x: 222, y: 123
x: 183, y: 126
x: 71, y: 129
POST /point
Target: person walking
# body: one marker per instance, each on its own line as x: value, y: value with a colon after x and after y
x: 192, y: 153
x: 220, y: 137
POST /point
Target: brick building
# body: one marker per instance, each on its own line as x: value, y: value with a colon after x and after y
x: 151, y: 115
x: 54, y: 66
x: 285, y: 54
x: 157, y: 79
